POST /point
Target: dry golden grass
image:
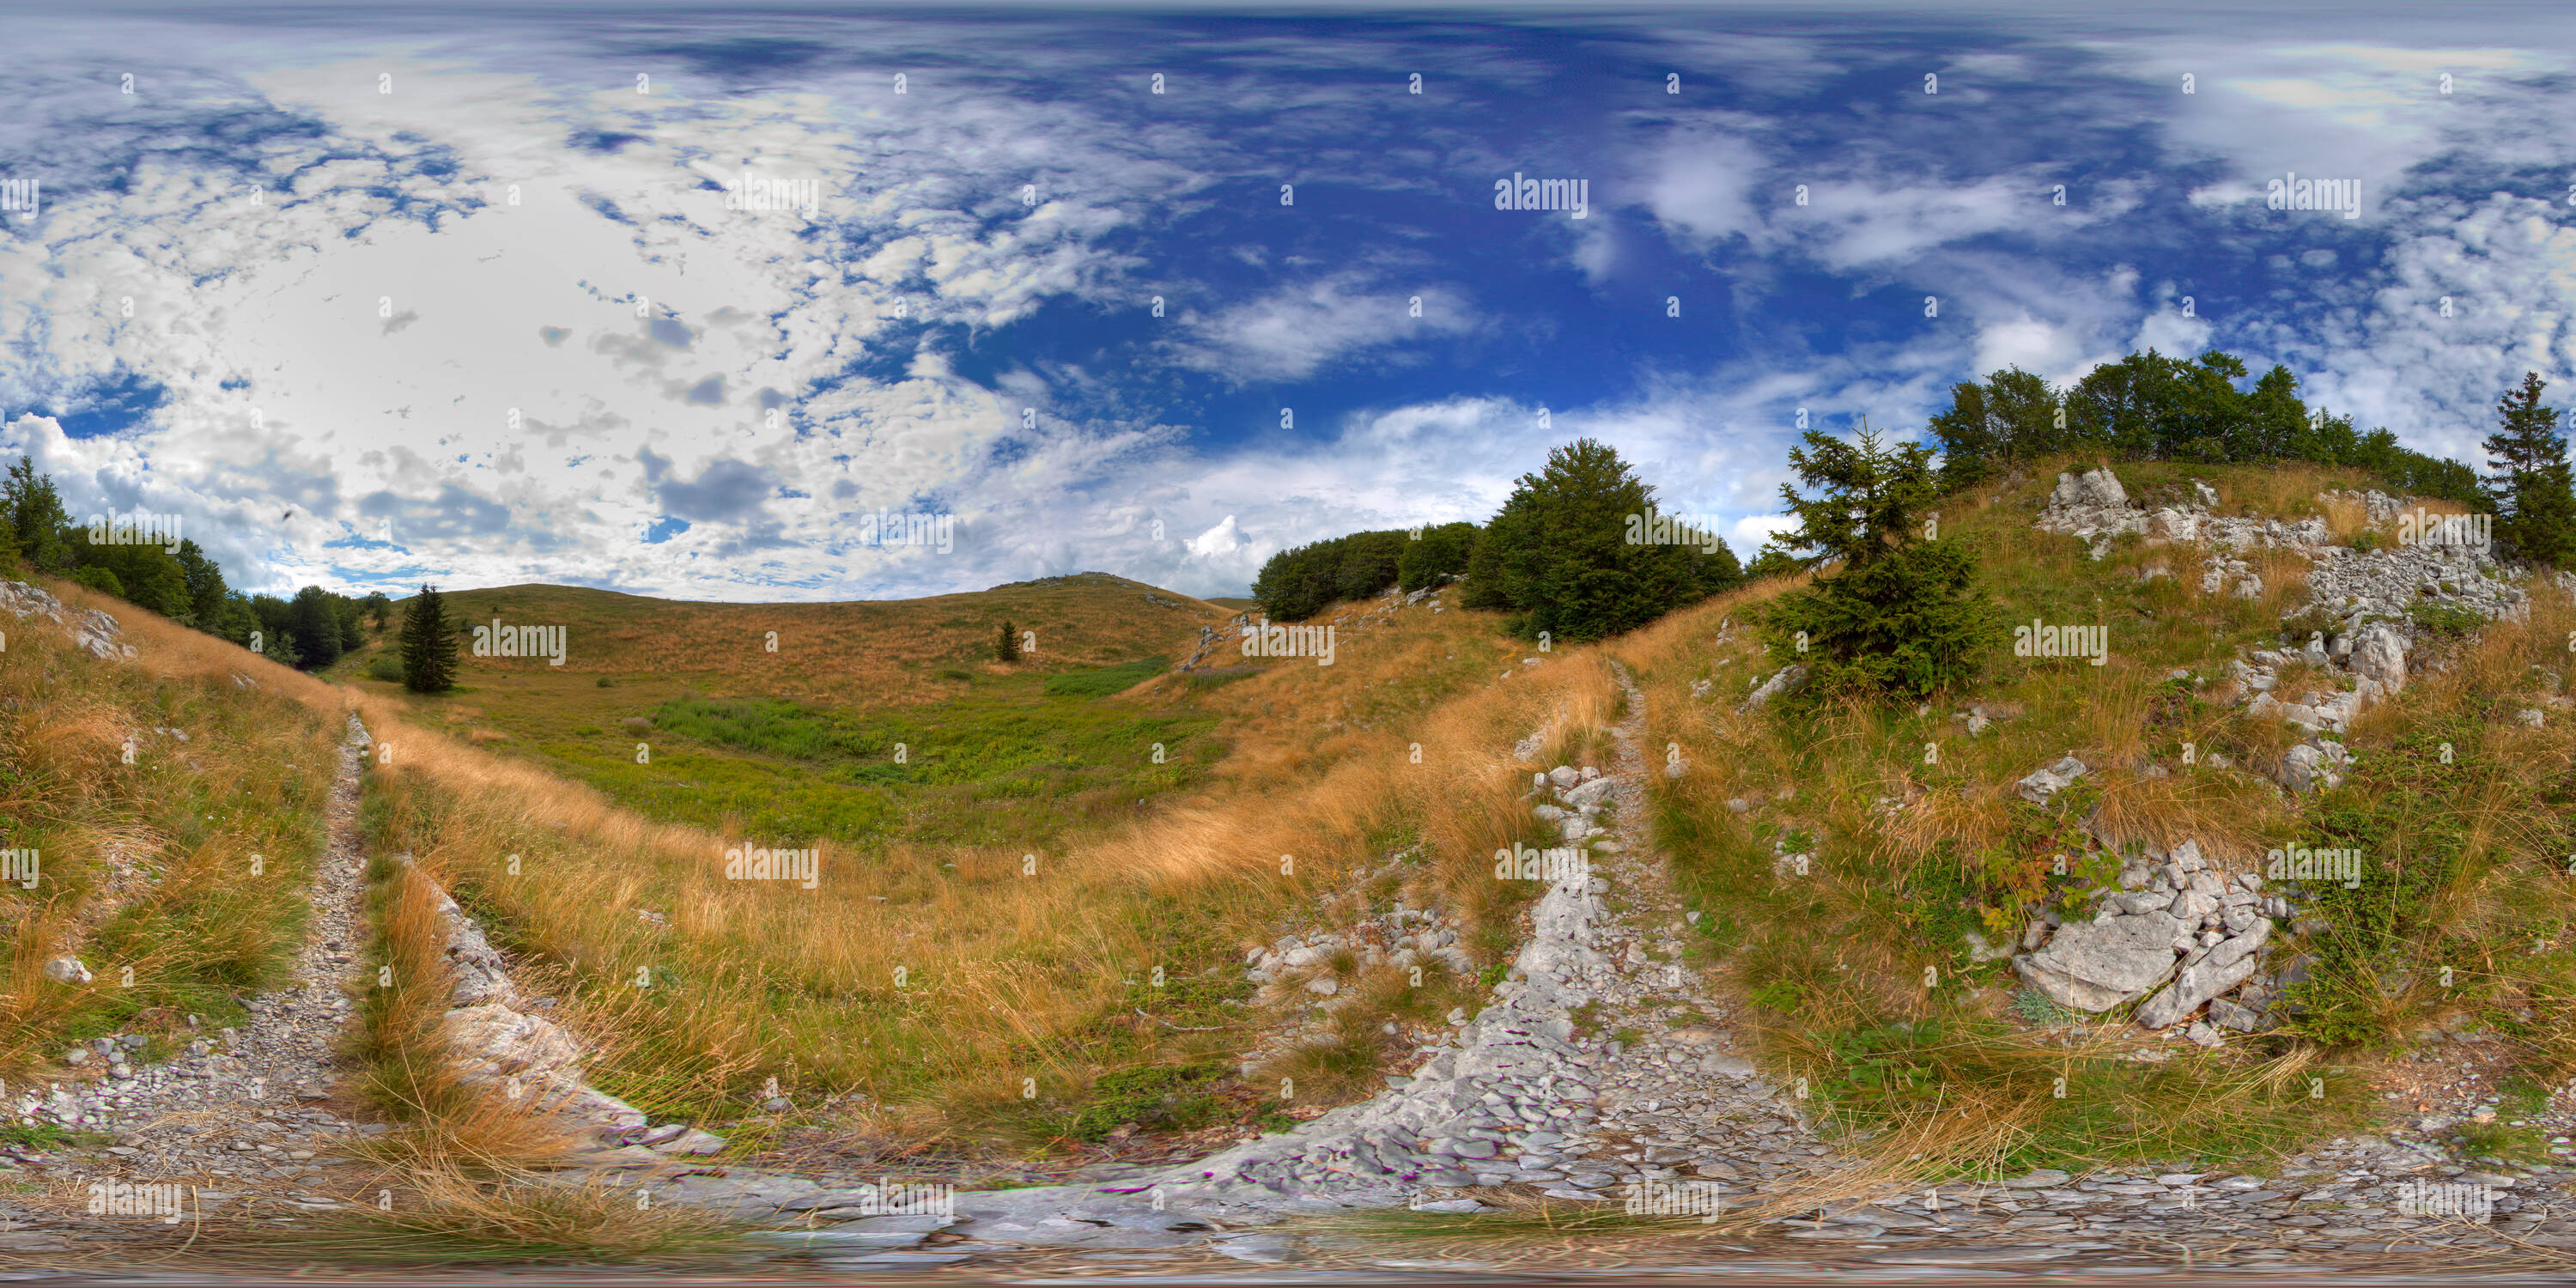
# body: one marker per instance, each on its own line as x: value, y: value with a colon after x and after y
x: 433, y: 1203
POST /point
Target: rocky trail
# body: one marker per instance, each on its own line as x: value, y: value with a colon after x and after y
x: 242, y: 1118
x: 1540, y: 1092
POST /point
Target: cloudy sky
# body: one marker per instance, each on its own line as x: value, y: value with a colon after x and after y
x: 371, y: 296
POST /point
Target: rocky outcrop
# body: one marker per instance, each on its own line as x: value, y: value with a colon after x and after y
x: 2096, y: 965
x: 496, y: 1043
x: 2374, y: 592
x: 89, y: 628
x: 1214, y: 638
x: 2042, y: 784
x: 2178, y: 932
x: 2095, y: 507
x: 2392, y: 581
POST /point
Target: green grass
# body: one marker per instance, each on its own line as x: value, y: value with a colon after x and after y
x: 2446, y: 619
x: 2504, y: 1142
x: 44, y: 1135
x: 1102, y: 682
x: 1904, y: 1074
x: 1002, y: 764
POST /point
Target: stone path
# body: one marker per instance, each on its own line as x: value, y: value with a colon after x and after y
x: 1518, y: 1097
x: 1669, y: 1116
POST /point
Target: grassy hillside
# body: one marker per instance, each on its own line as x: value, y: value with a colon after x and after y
x: 1031, y: 930
x: 146, y: 788
x: 868, y: 652
x: 1860, y: 970
x: 801, y: 743
x: 1007, y: 962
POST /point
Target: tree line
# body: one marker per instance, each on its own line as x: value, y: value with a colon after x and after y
x: 308, y: 630
x: 2151, y: 407
x: 1895, y: 609
x: 1579, y: 551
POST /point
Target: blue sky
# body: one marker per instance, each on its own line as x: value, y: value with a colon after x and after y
x: 488, y: 318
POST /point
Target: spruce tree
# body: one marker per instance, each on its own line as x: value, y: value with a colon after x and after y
x: 1006, y: 646
x: 1896, y: 609
x: 2535, y: 503
x: 429, y: 645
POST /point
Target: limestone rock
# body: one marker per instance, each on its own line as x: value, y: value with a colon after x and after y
x: 493, y: 1045
x: 1786, y: 681
x: 2093, y: 506
x: 2193, y: 988
x: 2094, y: 966
x: 2379, y: 655
x: 2309, y: 766
x: 2228, y: 1015
x: 1592, y: 792
x: 2045, y: 783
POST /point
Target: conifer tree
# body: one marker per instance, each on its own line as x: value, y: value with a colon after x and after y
x: 2535, y: 503
x: 429, y: 645
x: 1894, y: 608
x: 1006, y: 646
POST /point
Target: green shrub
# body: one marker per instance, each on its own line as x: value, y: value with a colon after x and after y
x: 1156, y: 1098
x: 1570, y: 556
x: 2447, y: 619
x: 1296, y: 584
x: 1901, y: 614
x: 100, y: 580
x: 1438, y: 552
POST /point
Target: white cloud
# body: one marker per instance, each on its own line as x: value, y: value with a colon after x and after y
x: 1700, y: 184
x: 1221, y: 540
x: 1292, y: 333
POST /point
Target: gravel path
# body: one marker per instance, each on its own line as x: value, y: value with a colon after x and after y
x: 238, y: 1114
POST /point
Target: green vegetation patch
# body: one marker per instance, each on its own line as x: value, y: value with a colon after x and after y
x: 1103, y: 681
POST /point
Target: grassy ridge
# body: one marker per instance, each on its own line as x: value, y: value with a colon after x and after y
x: 799, y: 743
x: 880, y: 652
